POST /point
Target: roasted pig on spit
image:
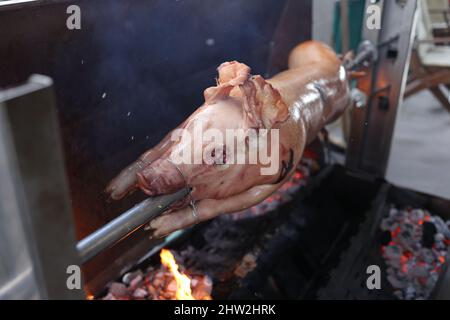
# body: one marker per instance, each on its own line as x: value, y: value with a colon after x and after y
x: 285, y: 112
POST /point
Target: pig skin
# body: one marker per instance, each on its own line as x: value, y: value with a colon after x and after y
x: 299, y: 102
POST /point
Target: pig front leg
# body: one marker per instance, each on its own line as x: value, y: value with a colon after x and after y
x: 208, y: 209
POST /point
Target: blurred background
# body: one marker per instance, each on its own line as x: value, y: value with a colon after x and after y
x: 420, y: 154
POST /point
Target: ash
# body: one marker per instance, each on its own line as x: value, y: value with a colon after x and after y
x: 416, y: 251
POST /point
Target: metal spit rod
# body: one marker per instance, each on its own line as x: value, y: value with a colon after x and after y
x: 125, y: 224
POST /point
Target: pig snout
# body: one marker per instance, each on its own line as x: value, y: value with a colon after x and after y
x: 161, y: 177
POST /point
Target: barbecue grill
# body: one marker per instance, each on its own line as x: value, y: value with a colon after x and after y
x: 105, y: 98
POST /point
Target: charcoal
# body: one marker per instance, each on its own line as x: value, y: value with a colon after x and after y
x: 140, y: 293
x: 109, y: 296
x: 417, y: 216
x: 396, y: 283
x: 172, y: 286
x: 136, y: 282
x: 156, y: 284
x: 439, y: 237
x: 130, y: 276
x: 410, y: 293
x: 420, y: 271
x: 429, y: 230
x: 202, y: 288
x: 428, y: 255
x: 399, y: 294
x: 385, y: 238
x: 118, y: 290
x: 416, y: 251
x: 443, y: 228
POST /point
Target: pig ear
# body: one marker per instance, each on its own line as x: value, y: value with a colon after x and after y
x: 263, y: 105
x: 231, y: 75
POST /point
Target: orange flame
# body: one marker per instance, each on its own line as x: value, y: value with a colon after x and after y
x: 183, y: 282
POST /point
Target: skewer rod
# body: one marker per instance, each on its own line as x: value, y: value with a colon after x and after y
x: 125, y: 224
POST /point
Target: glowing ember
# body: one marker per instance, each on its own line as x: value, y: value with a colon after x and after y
x: 416, y: 252
x: 183, y: 281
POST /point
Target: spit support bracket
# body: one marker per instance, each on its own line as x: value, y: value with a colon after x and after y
x: 372, y: 127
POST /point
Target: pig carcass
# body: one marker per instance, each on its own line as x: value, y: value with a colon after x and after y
x: 285, y: 112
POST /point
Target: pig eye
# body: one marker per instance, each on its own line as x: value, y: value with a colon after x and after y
x: 218, y: 155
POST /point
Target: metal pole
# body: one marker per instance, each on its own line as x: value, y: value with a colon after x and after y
x: 126, y: 224
x: 345, y: 41
x: 37, y: 236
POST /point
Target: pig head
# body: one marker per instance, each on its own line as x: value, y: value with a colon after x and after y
x: 227, y: 146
